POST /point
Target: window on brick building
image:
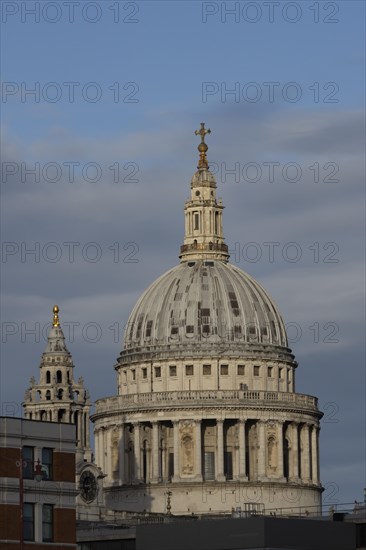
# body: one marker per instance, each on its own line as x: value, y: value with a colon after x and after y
x: 47, y: 463
x: 28, y: 521
x: 28, y: 460
x: 47, y: 522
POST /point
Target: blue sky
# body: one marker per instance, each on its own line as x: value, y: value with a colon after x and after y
x: 164, y: 60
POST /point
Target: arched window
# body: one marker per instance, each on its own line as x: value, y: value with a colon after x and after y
x: 60, y: 394
x: 48, y: 377
x: 59, y: 377
x: 48, y: 395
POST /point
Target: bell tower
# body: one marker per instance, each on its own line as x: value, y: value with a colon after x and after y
x: 57, y: 397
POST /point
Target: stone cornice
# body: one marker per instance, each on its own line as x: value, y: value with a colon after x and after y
x: 206, y: 350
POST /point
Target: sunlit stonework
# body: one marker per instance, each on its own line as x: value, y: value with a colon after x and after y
x: 206, y: 406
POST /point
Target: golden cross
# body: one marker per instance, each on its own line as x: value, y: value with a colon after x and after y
x: 202, y: 132
x: 202, y: 148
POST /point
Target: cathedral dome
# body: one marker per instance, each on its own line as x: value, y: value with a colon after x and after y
x: 204, y: 302
x: 206, y: 388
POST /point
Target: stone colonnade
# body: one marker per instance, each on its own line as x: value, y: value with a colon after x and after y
x: 182, y: 451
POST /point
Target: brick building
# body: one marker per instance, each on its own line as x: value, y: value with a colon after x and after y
x: 41, y: 457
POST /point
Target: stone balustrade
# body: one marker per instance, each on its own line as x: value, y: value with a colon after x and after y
x: 214, y: 397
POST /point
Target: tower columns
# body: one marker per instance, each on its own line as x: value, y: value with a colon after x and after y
x: 294, y: 455
x: 305, y: 453
x: 219, y: 463
x: 137, y: 451
x: 198, y: 448
x: 121, y: 454
x: 262, y: 450
x: 176, y: 476
x: 280, y: 450
x: 156, y: 474
x: 314, y: 454
x: 242, y: 453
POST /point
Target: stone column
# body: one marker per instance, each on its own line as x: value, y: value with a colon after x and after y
x: 108, y: 452
x: 242, y: 456
x: 87, y: 436
x: 219, y: 463
x: 156, y: 475
x: 176, y: 440
x: 314, y: 454
x: 261, y: 450
x: 198, y: 449
x: 294, y: 455
x: 102, y: 450
x: 280, y: 450
x: 164, y: 473
x: 137, y: 451
x: 96, y: 446
x: 121, y: 454
x: 305, y: 454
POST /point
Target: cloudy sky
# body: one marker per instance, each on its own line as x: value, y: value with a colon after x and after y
x: 100, y: 101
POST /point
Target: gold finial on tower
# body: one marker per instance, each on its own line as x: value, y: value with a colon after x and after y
x: 203, y: 148
x: 56, y: 320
